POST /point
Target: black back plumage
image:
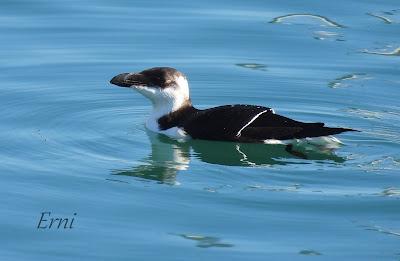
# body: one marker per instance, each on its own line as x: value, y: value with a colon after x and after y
x: 241, y: 123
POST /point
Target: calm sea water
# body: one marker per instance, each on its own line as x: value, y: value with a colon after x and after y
x: 71, y: 143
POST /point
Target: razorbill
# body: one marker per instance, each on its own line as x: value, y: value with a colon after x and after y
x: 174, y: 115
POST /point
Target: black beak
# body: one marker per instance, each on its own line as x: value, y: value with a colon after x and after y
x: 121, y: 80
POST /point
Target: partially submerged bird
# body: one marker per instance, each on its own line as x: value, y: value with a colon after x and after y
x: 174, y: 115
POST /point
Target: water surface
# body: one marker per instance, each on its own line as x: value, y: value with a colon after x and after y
x: 74, y: 144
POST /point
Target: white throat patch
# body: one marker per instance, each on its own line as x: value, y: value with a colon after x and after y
x: 164, y: 101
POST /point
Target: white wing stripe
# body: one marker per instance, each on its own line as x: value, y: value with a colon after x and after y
x: 253, y: 119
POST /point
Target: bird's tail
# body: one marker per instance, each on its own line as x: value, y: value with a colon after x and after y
x: 320, y: 131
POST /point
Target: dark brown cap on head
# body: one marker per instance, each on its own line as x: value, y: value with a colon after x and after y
x: 162, y: 77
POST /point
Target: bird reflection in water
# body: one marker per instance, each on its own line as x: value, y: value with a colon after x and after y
x: 169, y: 156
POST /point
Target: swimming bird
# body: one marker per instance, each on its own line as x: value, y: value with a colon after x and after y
x: 174, y: 115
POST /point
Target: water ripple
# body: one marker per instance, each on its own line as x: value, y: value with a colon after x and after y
x: 205, y: 241
x: 385, y: 52
x: 382, y: 230
x: 326, y: 35
x: 309, y: 252
x: 341, y: 81
x: 391, y: 191
x: 383, y: 18
x: 253, y: 66
x: 323, y: 19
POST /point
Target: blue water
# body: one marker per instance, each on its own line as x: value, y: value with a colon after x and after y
x: 72, y: 143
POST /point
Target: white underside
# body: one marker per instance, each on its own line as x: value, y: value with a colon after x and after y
x: 174, y: 132
x: 327, y: 142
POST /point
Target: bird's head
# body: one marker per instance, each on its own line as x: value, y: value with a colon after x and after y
x: 165, y: 87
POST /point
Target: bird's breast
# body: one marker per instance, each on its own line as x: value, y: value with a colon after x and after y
x: 174, y: 132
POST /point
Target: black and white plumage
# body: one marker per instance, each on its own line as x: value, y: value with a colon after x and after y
x: 174, y: 115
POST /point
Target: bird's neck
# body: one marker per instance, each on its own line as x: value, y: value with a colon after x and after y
x: 164, y: 108
x: 161, y: 108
